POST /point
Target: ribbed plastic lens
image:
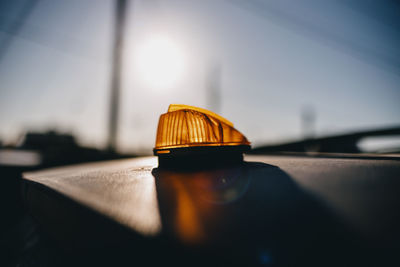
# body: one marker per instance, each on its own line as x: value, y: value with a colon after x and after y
x: 185, y: 126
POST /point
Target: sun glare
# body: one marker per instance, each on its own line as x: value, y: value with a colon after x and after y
x: 160, y: 62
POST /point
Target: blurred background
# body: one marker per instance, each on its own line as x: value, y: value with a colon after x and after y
x: 86, y: 80
x: 280, y: 70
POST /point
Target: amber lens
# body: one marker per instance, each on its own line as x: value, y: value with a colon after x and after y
x: 185, y: 126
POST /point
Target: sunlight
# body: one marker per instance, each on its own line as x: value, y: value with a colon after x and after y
x: 160, y: 62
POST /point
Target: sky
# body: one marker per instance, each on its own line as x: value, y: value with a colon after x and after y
x: 340, y: 59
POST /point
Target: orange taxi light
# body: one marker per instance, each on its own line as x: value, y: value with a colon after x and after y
x: 184, y: 127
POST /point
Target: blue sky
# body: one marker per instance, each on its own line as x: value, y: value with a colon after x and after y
x: 276, y: 57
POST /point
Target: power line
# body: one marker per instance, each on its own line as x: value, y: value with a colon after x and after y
x: 267, y: 10
x: 16, y: 26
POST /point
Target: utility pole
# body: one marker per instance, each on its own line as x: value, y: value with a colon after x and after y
x: 214, y: 88
x: 120, y: 17
x: 308, y: 118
